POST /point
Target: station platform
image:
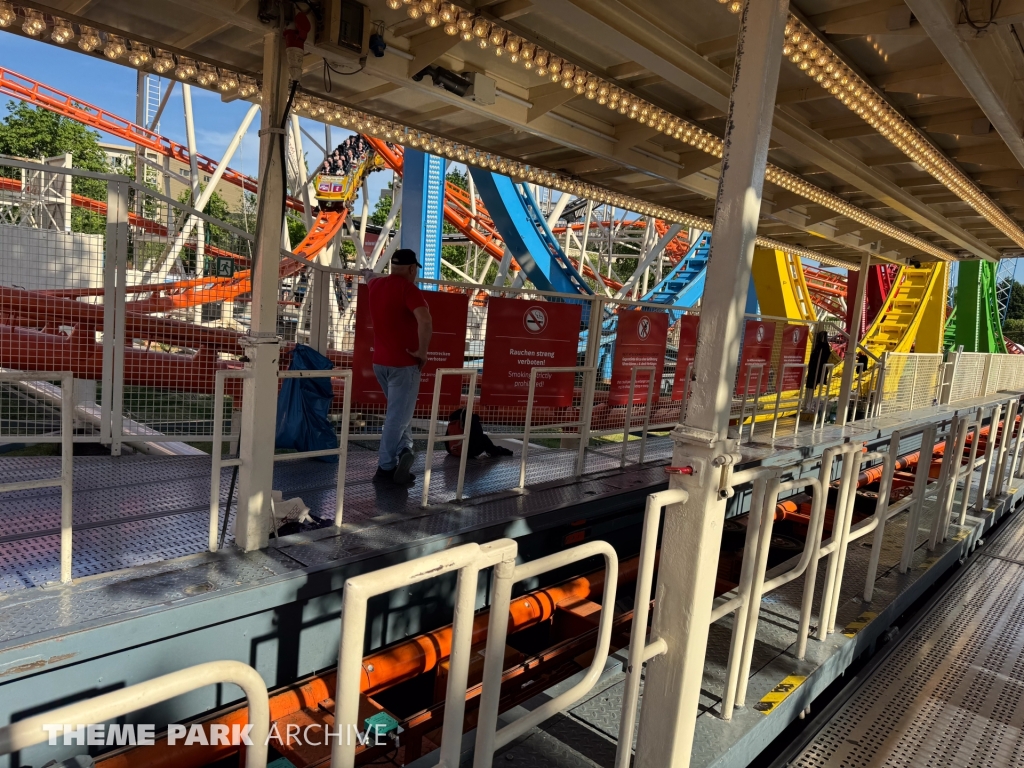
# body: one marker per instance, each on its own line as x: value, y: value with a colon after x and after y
x: 156, y: 600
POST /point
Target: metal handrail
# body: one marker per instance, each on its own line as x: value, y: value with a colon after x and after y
x: 29, y: 732
x: 488, y: 739
x: 432, y: 437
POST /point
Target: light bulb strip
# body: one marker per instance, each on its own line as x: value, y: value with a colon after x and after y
x: 805, y: 48
x: 328, y: 111
x: 141, y: 54
x: 488, y: 32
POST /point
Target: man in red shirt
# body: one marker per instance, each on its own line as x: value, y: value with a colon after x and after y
x: 401, y: 335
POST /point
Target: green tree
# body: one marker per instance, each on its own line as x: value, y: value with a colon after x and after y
x: 36, y: 133
x: 1015, y: 309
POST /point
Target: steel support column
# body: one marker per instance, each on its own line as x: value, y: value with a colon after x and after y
x: 850, y: 361
x: 256, y: 443
x: 693, y: 530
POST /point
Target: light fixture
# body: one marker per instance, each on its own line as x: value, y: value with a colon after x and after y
x: 62, y: 32
x: 88, y: 39
x: 7, y: 14
x: 186, y: 68
x: 227, y: 81
x: 34, y: 23
x: 138, y: 54
x: 247, y: 87
x: 163, y: 62
x: 206, y: 76
x: 862, y: 99
x: 114, y: 48
x: 394, y: 5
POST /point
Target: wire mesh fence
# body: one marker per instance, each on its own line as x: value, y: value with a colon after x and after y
x: 911, y: 381
x: 144, y: 299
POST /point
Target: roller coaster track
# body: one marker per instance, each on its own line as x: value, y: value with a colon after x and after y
x: 895, y: 328
x: 478, y: 227
x: 979, y: 326
x: 41, y: 95
x: 781, y: 288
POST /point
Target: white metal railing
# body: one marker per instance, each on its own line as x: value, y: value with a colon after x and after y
x: 218, y: 462
x: 627, y: 422
x: 583, y: 433
x: 488, y: 739
x: 432, y: 433
x: 31, y: 731
x: 752, y: 586
x: 66, y: 480
x: 467, y: 560
x: 640, y: 650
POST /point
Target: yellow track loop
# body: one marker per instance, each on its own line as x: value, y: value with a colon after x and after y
x: 896, y: 327
x: 781, y: 288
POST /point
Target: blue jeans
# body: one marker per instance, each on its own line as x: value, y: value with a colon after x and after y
x: 401, y: 386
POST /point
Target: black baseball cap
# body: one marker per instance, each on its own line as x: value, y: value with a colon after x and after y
x: 405, y: 257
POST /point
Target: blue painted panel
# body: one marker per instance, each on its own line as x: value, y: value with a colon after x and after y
x: 423, y: 209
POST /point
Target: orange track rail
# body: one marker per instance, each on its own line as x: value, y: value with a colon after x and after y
x: 41, y: 95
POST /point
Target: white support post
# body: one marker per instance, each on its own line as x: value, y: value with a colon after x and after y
x: 302, y: 186
x: 117, y: 235
x: 693, y: 529
x: 193, y: 159
x: 850, y: 361
x: 256, y: 444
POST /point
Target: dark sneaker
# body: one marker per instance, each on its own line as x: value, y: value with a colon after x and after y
x: 499, y: 450
x: 384, y: 475
x: 402, y: 474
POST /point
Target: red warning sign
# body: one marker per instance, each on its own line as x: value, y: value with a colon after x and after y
x: 794, y: 354
x: 640, y: 340
x: 448, y: 311
x: 688, y: 325
x: 758, y: 340
x: 521, y: 336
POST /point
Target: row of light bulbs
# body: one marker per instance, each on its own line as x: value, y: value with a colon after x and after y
x: 471, y: 26
x: 814, y: 58
x: 346, y: 117
x: 793, y: 183
x: 138, y: 55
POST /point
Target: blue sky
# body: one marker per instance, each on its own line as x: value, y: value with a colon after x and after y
x: 112, y: 87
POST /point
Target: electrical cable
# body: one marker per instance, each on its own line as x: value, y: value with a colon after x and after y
x: 993, y: 8
x: 328, y: 69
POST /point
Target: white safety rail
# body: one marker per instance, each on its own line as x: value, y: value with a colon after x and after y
x: 488, y: 739
x: 218, y: 462
x: 581, y: 424
x: 67, y: 475
x: 467, y: 560
x: 433, y: 438
x: 31, y: 731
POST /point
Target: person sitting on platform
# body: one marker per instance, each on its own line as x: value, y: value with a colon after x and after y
x: 401, y: 335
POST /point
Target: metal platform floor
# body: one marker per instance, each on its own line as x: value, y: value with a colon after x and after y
x: 136, y: 510
x: 952, y: 691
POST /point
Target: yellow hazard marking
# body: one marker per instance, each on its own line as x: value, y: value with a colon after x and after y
x: 778, y: 694
x: 859, y: 623
x: 961, y: 535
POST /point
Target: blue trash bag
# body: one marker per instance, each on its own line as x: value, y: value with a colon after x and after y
x: 303, y: 404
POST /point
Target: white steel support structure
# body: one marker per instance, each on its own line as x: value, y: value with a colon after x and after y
x: 850, y: 362
x: 693, y: 528
x: 256, y: 442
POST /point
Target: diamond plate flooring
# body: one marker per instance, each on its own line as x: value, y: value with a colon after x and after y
x: 136, y: 510
x: 952, y: 692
